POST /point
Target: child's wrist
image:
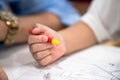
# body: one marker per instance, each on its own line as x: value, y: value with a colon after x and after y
x: 64, y: 44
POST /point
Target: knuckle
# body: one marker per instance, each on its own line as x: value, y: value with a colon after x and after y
x: 29, y: 40
x: 40, y: 62
x: 33, y: 48
x: 37, y: 56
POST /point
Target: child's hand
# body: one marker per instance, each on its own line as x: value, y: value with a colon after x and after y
x: 43, y: 51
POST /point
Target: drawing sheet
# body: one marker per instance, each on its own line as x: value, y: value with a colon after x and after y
x: 96, y: 63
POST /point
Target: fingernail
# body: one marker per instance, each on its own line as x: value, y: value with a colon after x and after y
x: 45, y: 39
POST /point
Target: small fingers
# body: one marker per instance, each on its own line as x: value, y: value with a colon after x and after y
x: 45, y: 61
x: 48, y: 59
x: 37, y: 39
x: 40, y: 47
x: 42, y: 54
x: 37, y: 29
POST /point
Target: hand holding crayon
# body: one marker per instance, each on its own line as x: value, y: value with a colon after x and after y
x: 50, y: 39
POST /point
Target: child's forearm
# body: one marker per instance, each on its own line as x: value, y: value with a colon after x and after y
x: 78, y: 37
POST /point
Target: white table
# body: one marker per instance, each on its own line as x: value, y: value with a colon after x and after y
x: 96, y: 63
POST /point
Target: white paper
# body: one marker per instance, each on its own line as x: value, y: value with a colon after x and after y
x: 96, y: 63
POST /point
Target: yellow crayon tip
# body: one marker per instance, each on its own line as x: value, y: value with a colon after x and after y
x: 55, y: 41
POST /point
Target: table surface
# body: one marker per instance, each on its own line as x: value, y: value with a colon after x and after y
x: 98, y: 62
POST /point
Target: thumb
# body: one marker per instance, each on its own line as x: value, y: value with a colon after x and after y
x: 38, y: 29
